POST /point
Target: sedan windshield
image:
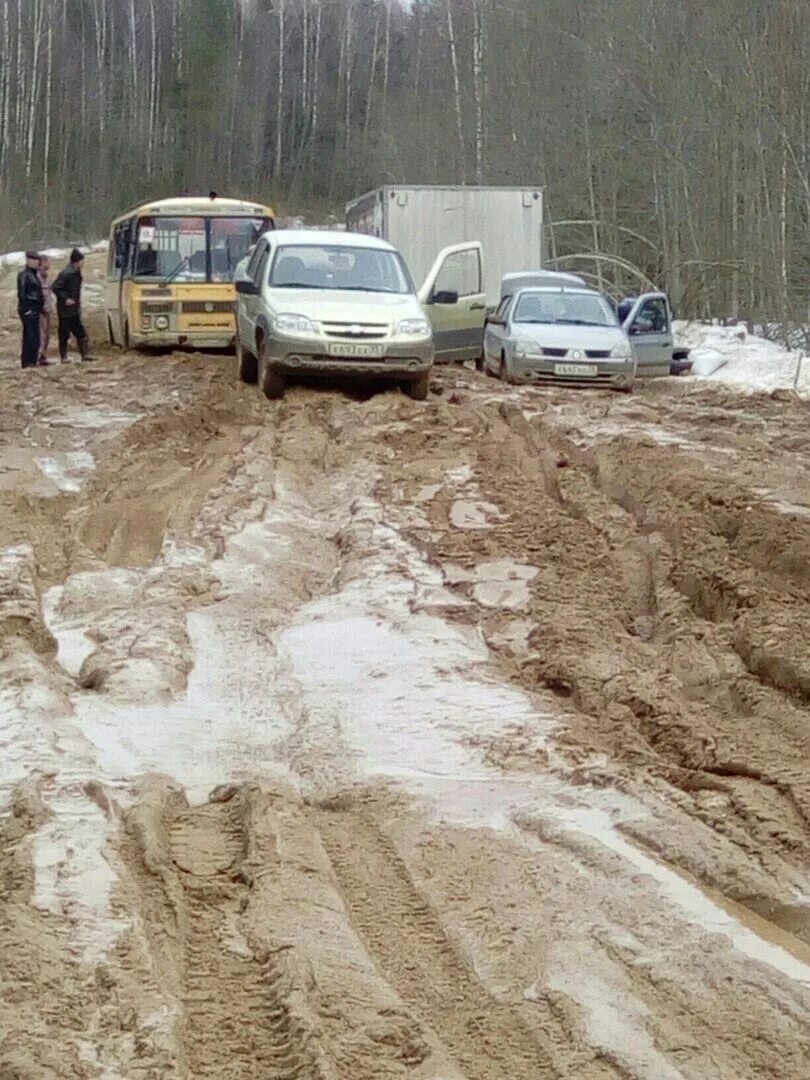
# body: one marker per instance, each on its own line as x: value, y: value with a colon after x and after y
x: 332, y: 266
x: 558, y: 306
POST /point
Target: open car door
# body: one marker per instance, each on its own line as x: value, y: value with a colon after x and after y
x: 649, y: 327
x: 454, y: 300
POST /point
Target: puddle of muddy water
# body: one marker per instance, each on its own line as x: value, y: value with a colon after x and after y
x: 470, y: 514
x: 782, y: 505
x: 375, y: 688
x: 88, y: 417
x: 503, y: 583
x: 695, y: 902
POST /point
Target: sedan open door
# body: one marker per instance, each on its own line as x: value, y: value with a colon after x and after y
x: 455, y: 302
x: 649, y: 327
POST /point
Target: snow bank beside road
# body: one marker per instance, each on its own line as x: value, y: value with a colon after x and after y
x: 752, y: 363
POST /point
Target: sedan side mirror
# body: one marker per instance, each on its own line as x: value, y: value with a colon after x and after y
x: 247, y: 288
x: 445, y: 297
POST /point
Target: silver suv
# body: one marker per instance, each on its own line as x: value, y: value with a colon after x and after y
x: 332, y: 303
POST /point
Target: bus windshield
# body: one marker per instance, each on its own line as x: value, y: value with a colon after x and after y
x: 194, y: 250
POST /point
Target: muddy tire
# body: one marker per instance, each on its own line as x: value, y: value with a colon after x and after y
x: 246, y: 364
x: 271, y: 383
x: 479, y: 363
x: 503, y: 370
x: 417, y: 389
x: 110, y: 332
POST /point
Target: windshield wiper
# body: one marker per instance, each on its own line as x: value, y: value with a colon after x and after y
x: 534, y: 322
x: 360, y: 288
x: 580, y: 322
x: 294, y: 285
x: 180, y: 266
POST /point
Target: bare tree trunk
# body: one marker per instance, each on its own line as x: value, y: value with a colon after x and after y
x: 478, y: 89
x: 46, y: 153
x: 282, y: 10
x: 457, y: 89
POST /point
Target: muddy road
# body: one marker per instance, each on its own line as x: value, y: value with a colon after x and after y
x: 349, y: 737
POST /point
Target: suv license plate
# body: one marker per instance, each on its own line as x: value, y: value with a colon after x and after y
x: 340, y: 349
x: 583, y: 371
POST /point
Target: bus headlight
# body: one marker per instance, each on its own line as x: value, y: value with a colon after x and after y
x: 146, y: 322
x: 162, y: 322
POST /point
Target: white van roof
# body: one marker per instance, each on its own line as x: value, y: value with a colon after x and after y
x: 538, y: 279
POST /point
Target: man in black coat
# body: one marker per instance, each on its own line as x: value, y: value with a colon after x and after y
x: 30, y: 303
x: 68, y: 291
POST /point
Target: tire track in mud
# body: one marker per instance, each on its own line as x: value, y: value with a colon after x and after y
x: 617, y: 527
x: 234, y: 1014
x: 485, y: 1038
x: 236, y: 1023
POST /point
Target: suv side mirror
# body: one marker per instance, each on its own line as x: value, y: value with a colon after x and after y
x: 247, y: 288
x: 494, y: 320
x: 445, y: 297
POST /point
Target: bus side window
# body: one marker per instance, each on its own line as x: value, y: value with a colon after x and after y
x: 119, y: 255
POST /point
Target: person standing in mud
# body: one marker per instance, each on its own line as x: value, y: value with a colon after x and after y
x: 48, y: 310
x: 68, y: 291
x: 30, y: 303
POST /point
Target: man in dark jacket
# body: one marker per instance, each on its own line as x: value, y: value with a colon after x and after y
x: 30, y: 302
x: 68, y: 291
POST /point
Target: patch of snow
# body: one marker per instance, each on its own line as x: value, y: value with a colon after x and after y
x: 66, y: 471
x: 750, y: 362
x: 72, y: 875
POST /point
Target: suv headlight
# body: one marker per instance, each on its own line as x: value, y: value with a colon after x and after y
x: 294, y: 324
x: 418, y: 328
x: 622, y: 351
x: 527, y: 348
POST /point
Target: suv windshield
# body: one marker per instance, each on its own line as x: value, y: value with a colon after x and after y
x: 194, y: 249
x: 558, y: 306
x: 332, y: 266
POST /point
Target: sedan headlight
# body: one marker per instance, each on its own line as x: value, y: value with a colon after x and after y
x: 418, y: 328
x: 294, y: 324
x: 622, y: 351
x: 527, y: 348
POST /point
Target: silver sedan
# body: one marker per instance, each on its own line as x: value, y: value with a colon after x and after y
x: 558, y: 334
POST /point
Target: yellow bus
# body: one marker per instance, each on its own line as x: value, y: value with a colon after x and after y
x: 171, y: 267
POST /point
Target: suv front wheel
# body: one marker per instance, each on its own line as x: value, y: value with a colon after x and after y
x: 417, y: 388
x: 272, y: 383
x: 246, y: 363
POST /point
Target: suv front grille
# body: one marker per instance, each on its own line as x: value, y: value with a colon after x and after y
x: 356, y: 331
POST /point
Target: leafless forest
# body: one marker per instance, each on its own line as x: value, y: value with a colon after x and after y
x: 671, y: 133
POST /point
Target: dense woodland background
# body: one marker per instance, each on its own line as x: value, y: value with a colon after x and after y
x: 677, y: 130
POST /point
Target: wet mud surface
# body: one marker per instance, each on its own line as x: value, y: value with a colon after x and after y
x: 351, y: 737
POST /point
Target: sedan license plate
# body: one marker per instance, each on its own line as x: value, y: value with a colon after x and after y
x: 339, y: 348
x: 582, y: 371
